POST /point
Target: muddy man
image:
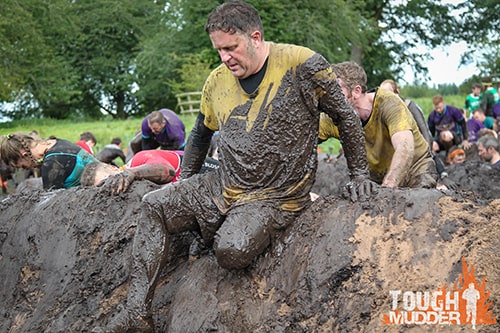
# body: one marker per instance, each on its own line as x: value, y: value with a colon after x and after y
x: 265, y: 100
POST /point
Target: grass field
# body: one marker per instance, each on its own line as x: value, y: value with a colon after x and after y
x: 105, y: 130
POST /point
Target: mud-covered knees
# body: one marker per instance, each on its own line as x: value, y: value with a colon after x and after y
x: 127, y: 321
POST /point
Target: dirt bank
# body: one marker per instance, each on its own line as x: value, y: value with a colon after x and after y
x: 64, y: 264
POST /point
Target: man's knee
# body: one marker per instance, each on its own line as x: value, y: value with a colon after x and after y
x: 243, y: 236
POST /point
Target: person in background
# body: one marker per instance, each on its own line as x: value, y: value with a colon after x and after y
x: 419, y: 117
x: 473, y: 100
x: 480, y: 115
x: 164, y: 129
x: 6, y: 174
x: 265, y: 100
x: 165, y: 162
x: 490, y: 96
x: 111, y: 151
x: 488, y: 149
x: 116, y: 180
x: 61, y: 162
x: 456, y: 156
x: 496, y: 116
x: 398, y: 154
x: 448, y: 126
x: 87, y: 141
x: 474, y: 126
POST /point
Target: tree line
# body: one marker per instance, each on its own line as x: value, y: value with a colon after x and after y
x: 90, y: 58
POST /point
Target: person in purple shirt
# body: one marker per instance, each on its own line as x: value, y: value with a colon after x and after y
x: 447, y: 125
x: 473, y: 127
x: 164, y: 129
x: 496, y: 116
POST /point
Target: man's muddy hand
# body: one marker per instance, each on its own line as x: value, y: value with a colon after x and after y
x: 117, y: 183
x: 360, y: 188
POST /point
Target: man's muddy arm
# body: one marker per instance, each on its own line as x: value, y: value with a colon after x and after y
x: 157, y: 173
x: 401, y: 160
x: 352, y: 138
x: 196, y: 148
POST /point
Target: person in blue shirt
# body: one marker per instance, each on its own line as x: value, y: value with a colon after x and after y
x: 61, y: 161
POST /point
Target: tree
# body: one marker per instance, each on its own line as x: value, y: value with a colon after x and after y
x: 33, y: 73
x: 105, y: 51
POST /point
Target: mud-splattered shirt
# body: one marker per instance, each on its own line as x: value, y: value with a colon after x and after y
x: 63, y: 165
x: 268, y: 139
x: 389, y: 116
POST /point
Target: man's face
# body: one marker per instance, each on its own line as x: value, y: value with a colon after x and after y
x: 346, y: 91
x: 479, y: 116
x: 483, y: 153
x: 476, y: 91
x: 439, y: 107
x: 237, y: 52
x: 157, y: 127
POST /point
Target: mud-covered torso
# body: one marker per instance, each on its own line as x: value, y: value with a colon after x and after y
x: 267, y: 142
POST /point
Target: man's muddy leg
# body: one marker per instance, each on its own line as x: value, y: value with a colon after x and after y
x: 149, y: 254
x: 246, y: 233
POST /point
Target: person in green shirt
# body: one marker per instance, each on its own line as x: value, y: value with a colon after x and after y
x: 490, y: 96
x: 473, y: 100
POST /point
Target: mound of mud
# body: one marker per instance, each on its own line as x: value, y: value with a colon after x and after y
x: 65, y: 264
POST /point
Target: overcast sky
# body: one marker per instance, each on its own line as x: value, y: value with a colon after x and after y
x: 444, y: 68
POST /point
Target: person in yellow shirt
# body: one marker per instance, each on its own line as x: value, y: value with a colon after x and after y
x: 397, y: 153
x: 265, y: 100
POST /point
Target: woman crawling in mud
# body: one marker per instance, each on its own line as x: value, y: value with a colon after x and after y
x: 61, y: 161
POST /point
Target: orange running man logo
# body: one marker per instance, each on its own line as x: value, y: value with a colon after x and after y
x: 466, y: 304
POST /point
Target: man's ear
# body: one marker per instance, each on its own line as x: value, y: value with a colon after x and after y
x: 357, y: 91
x: 256, y: 37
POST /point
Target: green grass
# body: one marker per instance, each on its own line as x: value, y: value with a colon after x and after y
x: 426, y: 105
x: 105, y: 130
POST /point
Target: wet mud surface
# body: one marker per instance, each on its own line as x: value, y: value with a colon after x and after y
x: 65, y: 260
